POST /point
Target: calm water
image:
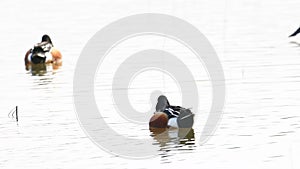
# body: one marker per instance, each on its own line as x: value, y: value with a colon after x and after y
x: 260, y: 126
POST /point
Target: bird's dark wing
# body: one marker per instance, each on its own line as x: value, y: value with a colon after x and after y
x: 295, y: 33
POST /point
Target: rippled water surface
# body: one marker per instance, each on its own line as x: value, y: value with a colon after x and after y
x: 260, y: 124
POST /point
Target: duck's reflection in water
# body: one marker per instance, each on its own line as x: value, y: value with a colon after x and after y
x: 37, y: 69
x: 295, y: 43
x: 171, y: 140
x: 42, y: 68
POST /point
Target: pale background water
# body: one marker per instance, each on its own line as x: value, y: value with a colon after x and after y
x: 260, y: 126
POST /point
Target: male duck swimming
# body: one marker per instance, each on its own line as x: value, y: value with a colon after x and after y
x: 167, y: 115
x: 43, y: 52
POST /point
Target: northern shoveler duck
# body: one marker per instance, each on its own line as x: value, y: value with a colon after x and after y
x: 295, y: 33
x: 167, y: 115
x: 43, y: 52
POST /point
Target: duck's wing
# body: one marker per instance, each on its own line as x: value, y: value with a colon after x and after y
x: 185, y: 119
x: 176, y: 108
x: 295, y: 33
x: 185, y: 112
